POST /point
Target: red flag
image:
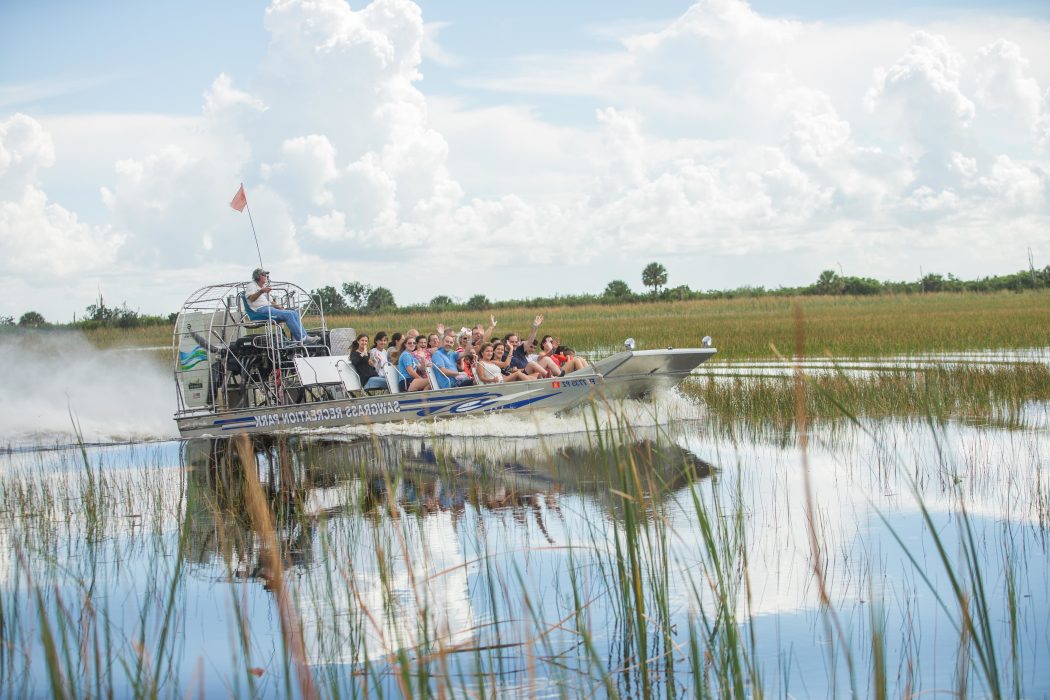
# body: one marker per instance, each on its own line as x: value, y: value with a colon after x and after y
x: 240, y: 200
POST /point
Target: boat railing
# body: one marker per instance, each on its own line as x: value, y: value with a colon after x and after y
x: 225, y: 360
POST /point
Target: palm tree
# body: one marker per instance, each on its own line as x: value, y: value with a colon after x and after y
x: 654, y: 275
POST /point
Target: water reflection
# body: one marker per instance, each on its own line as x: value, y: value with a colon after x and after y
x: 398, y: 521
x: 498, y: 565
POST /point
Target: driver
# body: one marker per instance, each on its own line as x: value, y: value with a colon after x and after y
x: 258, y: 294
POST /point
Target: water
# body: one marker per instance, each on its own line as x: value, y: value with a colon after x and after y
x: 527, y: 557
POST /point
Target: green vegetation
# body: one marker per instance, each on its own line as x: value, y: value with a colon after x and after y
x: 654, y: 275
x: 363, y: 299
x: 985, y: 393
x: 745, y: 328
x: 741, y: 328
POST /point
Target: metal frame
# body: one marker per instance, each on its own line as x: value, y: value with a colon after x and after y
x: 222, y: 360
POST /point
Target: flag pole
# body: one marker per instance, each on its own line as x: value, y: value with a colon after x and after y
x: 240, y: 203
x: 259, y: 252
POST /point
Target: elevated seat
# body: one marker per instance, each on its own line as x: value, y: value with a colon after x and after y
x: 255, y: 319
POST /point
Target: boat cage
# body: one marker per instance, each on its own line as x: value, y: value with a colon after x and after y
x: 228, y: 357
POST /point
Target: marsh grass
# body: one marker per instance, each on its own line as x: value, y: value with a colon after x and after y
x: 741, y: 328
x: 996, y: 393
x: 653, y: 597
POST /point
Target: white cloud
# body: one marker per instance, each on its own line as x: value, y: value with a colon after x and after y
x: 433, y: 51
x: 1003, y: 82
x: 923, y: 86
x: 40, y: 239
x: 25, y: 148
x: 1015, y: 186
x: 725, y: 132
x: 172, y: 206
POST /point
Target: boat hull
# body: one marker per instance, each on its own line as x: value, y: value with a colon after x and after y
x: 628, y: 374
x: 638, y: 373
x: 549, y: 396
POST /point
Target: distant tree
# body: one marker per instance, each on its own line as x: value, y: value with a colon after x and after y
x: 100, y: 312
x: 478, y: 302
x: 617, y: 289
x: 357, y: 294
x: 7, y: 321
x: 331, y: 301
x: 828, y: 283
x: 32, y: 319
x: 654, y: 275
x: 380, y: 299
x: 441, y: 301
x: 679, y: 293
x: 1042, y: 277
x: 932, y: 283
x: 860, y: 286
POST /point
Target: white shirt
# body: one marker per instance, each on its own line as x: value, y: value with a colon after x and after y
x: 491, y: 371
x: 262, y: 300
x: 379, y: 359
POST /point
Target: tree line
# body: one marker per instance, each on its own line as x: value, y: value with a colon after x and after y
x: 363, y: 299
x: 358, y: 298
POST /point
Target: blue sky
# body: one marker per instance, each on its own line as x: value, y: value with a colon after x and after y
x: 552, y: 146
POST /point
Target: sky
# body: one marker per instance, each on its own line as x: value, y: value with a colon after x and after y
x: 514, y: 149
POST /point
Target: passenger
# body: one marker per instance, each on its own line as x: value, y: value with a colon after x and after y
x: 446, y: 365
x: 257, y: 292
x: 548, y: 350
x: 465, y: 348
x: 422, y: 352
x: 519, y: 359
x: 523, y: 357
x: 501, y: 358
x: 571, y: 358
x: 479, y: 335
x: 361, y: 359
x: 413, y: 376
x: 488, y: 372
x: 526, y: 359
x: 378, y: 353
x: 397, y: 342
x: 434, y: 344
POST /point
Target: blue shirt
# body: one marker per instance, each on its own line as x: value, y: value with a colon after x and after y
x: 519, y: 359
x: 407, y: 360
x: 443, y: 359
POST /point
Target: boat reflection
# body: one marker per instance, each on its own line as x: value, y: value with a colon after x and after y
x: 401, y: 520
x: 305, y: 479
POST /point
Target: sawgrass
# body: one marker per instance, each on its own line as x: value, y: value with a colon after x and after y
x: 369, y: 577
x: 986, y: 393
x: 741, y: 328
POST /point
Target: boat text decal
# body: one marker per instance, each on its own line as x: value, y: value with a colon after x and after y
x: 317, y: 415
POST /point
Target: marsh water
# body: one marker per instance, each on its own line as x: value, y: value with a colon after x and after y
x: 637, y: 549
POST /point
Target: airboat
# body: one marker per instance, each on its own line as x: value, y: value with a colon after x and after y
x: 237, y: 371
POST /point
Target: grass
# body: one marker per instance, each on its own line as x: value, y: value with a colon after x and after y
x: 985, y: 393
x: 640, y: 585
x: 744, y: 328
